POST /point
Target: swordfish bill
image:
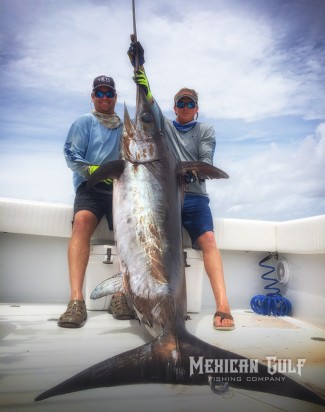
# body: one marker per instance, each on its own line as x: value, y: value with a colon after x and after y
x: 147, y: 200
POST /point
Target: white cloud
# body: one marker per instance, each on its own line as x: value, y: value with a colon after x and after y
x: 274, y: 184
x: 231, y: 58
x: 228, y: 58
x: 280, y: 181
x: 35, y: 171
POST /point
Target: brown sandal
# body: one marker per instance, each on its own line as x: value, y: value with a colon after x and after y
x: 75, y: 316
x: 223, y: 316
x: 120, y: 309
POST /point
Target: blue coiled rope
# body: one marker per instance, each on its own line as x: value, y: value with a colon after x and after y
x: 272, y: 303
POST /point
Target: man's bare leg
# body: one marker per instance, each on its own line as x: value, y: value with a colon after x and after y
x: 214, y: 269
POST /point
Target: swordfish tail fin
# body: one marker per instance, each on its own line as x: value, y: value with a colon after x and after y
x: 129, y: 367
x: 180, y: 361
x: 148, y: 363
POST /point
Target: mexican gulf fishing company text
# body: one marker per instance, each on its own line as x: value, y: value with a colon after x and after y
x: 248, y: 369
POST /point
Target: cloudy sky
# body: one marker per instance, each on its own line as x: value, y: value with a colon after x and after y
x: 258, y: 66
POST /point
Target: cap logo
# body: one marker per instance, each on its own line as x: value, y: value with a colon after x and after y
x: 104, y: 79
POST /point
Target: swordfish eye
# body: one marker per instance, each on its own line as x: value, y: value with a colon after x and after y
x: 146, y: 117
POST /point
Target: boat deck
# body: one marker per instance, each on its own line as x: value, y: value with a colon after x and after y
x: 36, y: 355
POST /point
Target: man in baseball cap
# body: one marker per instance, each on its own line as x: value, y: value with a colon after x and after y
x: 193, y: 141
x: 93, y: 140
x: 185, y: 92
x: 104, y: 81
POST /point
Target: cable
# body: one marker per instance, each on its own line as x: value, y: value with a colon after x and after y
x: 272, y: 303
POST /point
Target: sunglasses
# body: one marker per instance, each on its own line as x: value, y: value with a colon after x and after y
x: 100, y: 94
x: 189, y: 105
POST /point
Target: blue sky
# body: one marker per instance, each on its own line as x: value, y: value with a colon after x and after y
x: 258, y: 66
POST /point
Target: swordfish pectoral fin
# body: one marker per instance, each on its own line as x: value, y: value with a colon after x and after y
x: 110, y: 170
x: 108, y: 287
x: 203, y: 170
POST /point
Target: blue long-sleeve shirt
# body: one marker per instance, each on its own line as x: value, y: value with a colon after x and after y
x: 90, y: 143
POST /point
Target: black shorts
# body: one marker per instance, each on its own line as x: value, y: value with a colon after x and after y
x: 97, y: 200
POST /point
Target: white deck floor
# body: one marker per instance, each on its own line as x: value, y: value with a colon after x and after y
x: 36, y: 355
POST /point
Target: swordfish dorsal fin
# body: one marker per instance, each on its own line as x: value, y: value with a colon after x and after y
x: 203, y: 170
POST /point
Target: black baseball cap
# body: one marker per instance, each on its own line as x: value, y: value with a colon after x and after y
x: 103, y: 81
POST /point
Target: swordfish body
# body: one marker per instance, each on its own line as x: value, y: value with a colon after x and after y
x: 147, y: 199
x: 147, y: 210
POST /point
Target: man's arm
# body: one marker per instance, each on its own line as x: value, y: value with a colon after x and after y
x: 140, y: 76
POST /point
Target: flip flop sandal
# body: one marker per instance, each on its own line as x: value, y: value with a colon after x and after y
x: 75, y: 316
x: 223, y: 316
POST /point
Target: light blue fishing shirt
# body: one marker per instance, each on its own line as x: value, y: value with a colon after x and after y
x: 91, y: 143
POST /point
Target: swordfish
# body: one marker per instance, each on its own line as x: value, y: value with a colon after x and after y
x: 147, y: 200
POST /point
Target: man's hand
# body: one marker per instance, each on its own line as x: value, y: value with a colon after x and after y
x: 93, y: 168
x: 133, y: 51
x: 140, y: 78
x: 190, y: 177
